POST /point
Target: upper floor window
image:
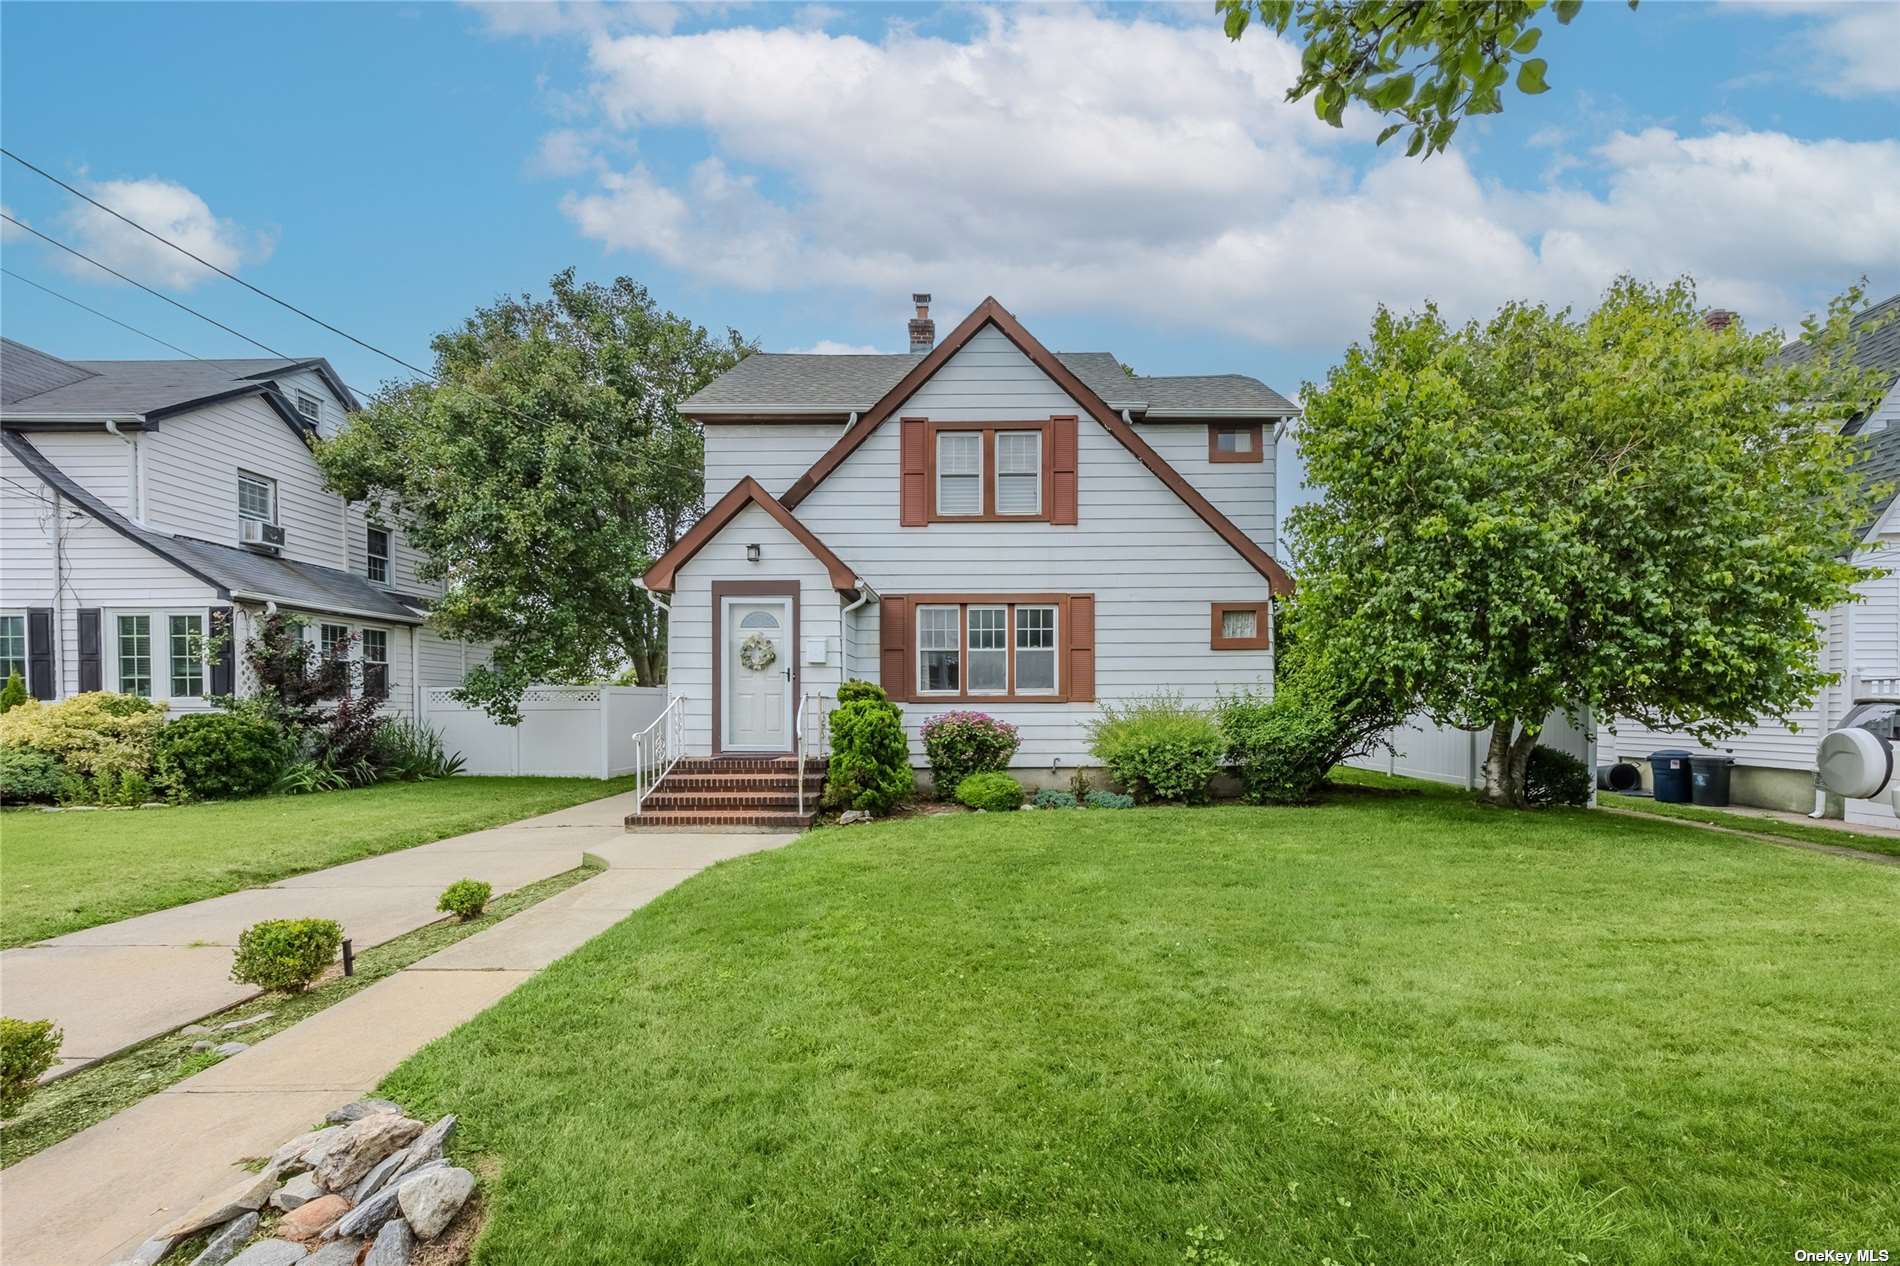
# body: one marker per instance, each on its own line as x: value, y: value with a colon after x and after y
x: 1239, y: 626
x: 12, y: 647
x: 310, y: 407
x: 989, y: 471
x: 257, y: 497
x: 1235, y: 442
x: 378, y: 554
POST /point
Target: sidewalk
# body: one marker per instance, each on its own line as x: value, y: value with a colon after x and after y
x: 94, y: 1197
x: 113, y: 986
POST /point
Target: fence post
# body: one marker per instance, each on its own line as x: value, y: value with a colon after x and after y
x: 606, y: 734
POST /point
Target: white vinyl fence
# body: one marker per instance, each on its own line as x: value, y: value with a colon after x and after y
x: 565, y: 731
x: 1442, y: 754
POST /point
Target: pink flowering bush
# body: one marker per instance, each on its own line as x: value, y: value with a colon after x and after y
x: 959, y: 744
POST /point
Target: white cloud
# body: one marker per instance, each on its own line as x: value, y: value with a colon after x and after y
x: 832, y: 347
x: 1857, y: 50
x: 565, y: 152
x: 171, y: 211
x: 1078, y: 160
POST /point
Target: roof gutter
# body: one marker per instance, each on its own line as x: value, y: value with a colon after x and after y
x: 1264, y: 414
x: 323, y: 608
x: 109, y: 421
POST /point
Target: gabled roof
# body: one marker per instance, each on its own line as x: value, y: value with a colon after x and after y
x: 748, y: 491
x: 988, y: 313
x: 232, y: 572
x: 34, y: 383
x: 1879, y: 463
x: 1874, y: 348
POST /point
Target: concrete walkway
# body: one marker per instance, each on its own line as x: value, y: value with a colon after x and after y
x: 114, y: 986
x: 94, y: 1197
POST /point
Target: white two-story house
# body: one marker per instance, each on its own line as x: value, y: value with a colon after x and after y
x: 147, y: 507
x: 977, y: 524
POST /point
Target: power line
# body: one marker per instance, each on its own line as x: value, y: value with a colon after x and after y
x: 101, y: 315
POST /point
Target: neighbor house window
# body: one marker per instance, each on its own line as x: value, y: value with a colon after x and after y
x: 375, y: 663
x: 12, y: 647
x: 986, y: 650
x: 333, y: 642
x: 1239, y: 626
x: 310, y: 407
x: 379, y: 555
x: 1234, y: 442
x: 989, y: 471
x: 135, y: 655
x: 257, y: 497
x: 187, y: 656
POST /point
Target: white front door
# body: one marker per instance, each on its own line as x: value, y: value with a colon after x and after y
x: 758, y: 697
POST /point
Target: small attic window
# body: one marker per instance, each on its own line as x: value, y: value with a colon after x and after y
x: 310, y: 407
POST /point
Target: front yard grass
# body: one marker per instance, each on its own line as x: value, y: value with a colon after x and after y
x: 1392, y: 1028
x: 1865, y: 841
x: 60, y: 872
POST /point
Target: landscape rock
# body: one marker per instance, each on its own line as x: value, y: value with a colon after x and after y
x: 368, y: 1218
x: 335, y: 1253
x: 202, y: 1045
x: 300, y: 1190
x: 226, y: 1243
x: 428, y: 1146
x: 355, y: 1152
x: 431, y: 1200
x: 373, y: 1181
x: 259, y: 1018
x: 395, y: 1245
x: 851, y: 817
x: 151, y: 1251
x: 362, y: 1108
x: 310, y: 1220
x: 301, y: 1148
x: 271, y: 1253
x: 191, y: 1029
x: 244, y: 1196
x: 230, y: 1048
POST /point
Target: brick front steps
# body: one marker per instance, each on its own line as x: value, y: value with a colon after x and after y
x: 732, y: 793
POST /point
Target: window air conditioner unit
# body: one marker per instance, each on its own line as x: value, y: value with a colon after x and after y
x: 268, y: 535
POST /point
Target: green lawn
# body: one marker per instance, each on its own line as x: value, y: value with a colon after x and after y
x: 1834, y: 838
x: 60, y: 872
x: 1395, y: 1028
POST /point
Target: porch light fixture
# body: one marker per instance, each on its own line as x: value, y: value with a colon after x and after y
x: 752, y: 553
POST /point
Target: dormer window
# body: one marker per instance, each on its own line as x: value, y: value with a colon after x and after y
x: 257, y: 498
x: 310, y: 407
x: 378, y: 555
x: 1234, y: 442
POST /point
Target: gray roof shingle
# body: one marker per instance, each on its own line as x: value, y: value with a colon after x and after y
x: 1873, y: 348
x: 31, y: 381
x: 1213, y: 393
x: 1879, y: 463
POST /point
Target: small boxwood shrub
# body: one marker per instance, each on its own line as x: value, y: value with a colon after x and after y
x: 27, y: 1049
x: 996, y: 792
x: 1050, y: 798
x: 958, y: 744
x: 1552, y: 777
x: 1110, y: 800
x: 13, y: 694
x: 218, y: 755
x: 29, y: 776
x: 870, y: 755
x: 1159, y: 748
x: 465, y: 898
x: 286, y: 954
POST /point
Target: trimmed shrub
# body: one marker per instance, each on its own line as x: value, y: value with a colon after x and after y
x: 29, y: 776
x: 104, y: 738
x: 465, y: 898
x: 27, y: 1049
x: 286, y: 954
x: 13, y: 694
x: 1282, y: 747
x: 1159, y: 748
x: 1552, y: 777
x: 410, y: 751
x: 870, y: 755
x: 958, y: 744
x: 218, y: 755
x: 1110, y: 800
x: 994, y: 791
x: 1050, y: 798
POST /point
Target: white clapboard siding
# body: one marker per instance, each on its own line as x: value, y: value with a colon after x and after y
x: 104, y: 465
x: 404, y: 560
x: 774, y: 453
x: 1886, y: 414
x: 1243, y: 491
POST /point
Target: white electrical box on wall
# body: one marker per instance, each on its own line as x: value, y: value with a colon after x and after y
x: 818, y: 650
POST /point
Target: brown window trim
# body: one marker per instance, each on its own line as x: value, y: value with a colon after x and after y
x: 963, y: 602
x: 1216, y: 429
x: 989, y: 430
x: 1258, y: 642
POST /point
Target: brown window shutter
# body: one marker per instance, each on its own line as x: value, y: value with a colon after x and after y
x: 914, y: 496
x: 91, y: 673
x: 1062, y: 470
x: 1082, y: 647
x: 893, y: 643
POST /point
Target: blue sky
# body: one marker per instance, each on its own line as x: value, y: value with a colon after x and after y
x: 1121, y: 177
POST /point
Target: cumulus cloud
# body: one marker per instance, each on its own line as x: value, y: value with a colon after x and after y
x: 1075, y: 159
x: 1855, y: 47
x: 170, y: 210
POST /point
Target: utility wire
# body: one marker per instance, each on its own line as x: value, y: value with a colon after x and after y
x: 101, y: 315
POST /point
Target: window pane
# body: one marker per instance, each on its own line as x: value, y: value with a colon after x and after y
x: 12, y: 646
x: 135, y: 655
x: 1242, y: 623
x: 308, y: 406
x: 989, y: 649
x: 376, y: 646
x: 330, y: 635
x: 960, y: 472
x: 375, y: 663
x: 1018, y: 472
x: 379, y: 555
x: 1035, y: 649
x: 1234, y: 439
x: 187, y: 656
x: 938, y: 657
x: 257, y: 498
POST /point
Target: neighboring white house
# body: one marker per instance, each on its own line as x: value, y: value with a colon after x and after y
x: 1860, y: 641
x: 146, y: 506
x: 977, y: 524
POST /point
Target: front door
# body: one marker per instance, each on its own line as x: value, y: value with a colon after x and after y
x: 758, y: 674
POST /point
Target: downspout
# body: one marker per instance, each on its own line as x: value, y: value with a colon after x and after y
x: 134, y: 486
x: 865, y: 594
x: 850, y: 421
x: 665, y: 604
x: 415, y: 673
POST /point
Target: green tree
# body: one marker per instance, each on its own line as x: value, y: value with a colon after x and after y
x: 1629, y: 512
x: 1424, y: 64
x: 541, y: 474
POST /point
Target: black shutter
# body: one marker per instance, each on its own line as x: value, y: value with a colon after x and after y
x: 39, y: 652
x: 224, y: 643
x: 91, y: 671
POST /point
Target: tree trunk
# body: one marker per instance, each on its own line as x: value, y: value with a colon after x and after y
x: 1506, y: 760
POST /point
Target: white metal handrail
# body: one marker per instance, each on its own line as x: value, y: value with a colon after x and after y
x: 814, y: 701
x: 657, y: 749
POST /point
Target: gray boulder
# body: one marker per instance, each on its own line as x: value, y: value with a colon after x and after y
x: 148, y: 1253
x: 191, y: 1030
x: 367, y: 1218
x: 355, y: 1151
x: 246, y: 1195
x: 298, y: 1151
x: 428, y: 1146
x: 395, y: 1245
x: 271, y: 1253
x: 226, y: 1243
x: 300, y: 1190
x: 385, y: 1169
x: 335, y: 1253
x: 361, y: 1108
x: 431, y: 1199
x: 230, y: 1048
x: 202, y: 1045
x: 259, y: 1018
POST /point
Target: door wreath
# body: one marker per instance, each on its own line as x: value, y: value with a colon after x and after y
x: 757, y: 652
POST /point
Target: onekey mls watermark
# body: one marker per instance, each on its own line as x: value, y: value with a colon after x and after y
x: 1842, y: 1255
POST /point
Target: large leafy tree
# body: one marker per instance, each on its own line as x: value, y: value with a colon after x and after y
x: 1424, y: 64
x: 1630, y: 512
x: 541, y: 473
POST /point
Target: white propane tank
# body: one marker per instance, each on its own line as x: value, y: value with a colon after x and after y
x: 1856, y: 763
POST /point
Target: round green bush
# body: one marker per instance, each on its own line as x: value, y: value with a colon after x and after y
x: 1050, y: 798
x: 996, y: 792
x: 962, y: 743
x: 870, y: 754
x: 855, y: 691
x: 286, y: 954
x: 27, y: 1049
x: 465, y: 898
x: 218, y: 755
x: 1552, y: 777
x: 29, y: 776
x: 1110, y: 800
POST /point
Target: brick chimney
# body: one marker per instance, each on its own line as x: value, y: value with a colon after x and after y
x: 923, y: 331
x: 1720, y: 318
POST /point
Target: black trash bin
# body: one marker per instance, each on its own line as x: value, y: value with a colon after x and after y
x: 1669, y: 775
x: 1708, y: 780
